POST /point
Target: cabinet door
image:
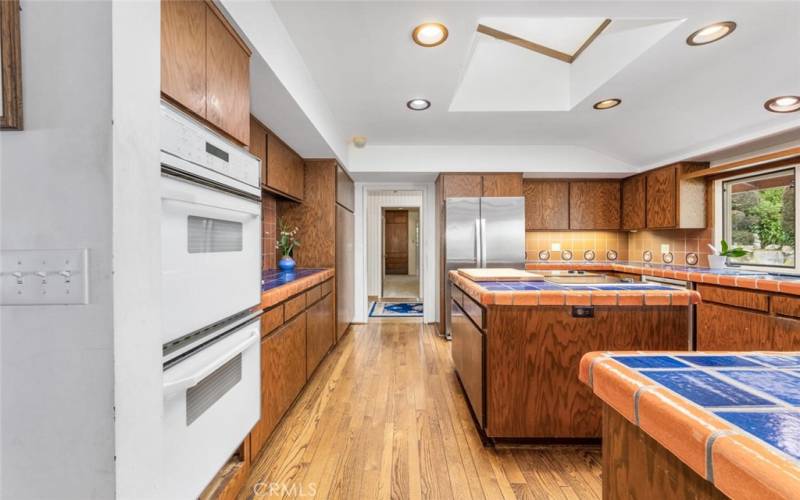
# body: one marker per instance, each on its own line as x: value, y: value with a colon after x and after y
x: 722, y: 328
x: 228, y: 79
x: 462, y: 186
x: 633, y: 203
x: 345, y: 189
x: 258, y: 145
x: 283, y: 375
x: 594, y: 205
x: 319, y: 333
x: 468, y: 359
x: 345, y: 270
x: 546, y: 205
x: 661, y: 198
x: 502, y: 185
x: 285, y: 168
x: 183, y: 53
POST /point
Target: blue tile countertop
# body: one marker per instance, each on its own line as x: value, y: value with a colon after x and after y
x: 273, y: 278
x: 758, y: 393
x: 534, y: 286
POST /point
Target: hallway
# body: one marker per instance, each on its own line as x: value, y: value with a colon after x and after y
x: 384, y: 417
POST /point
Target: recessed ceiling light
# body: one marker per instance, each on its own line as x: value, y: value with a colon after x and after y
x: 711, y: 33
x: 783, y: 104
x: 607, y: 103
x: 418, y: 104
x: 430, y: 34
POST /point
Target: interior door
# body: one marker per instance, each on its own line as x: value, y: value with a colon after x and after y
x: 396, y: 241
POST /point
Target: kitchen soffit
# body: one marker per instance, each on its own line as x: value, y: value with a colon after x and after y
x: 550, y: 64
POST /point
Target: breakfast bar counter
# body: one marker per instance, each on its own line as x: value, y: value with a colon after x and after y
x: 699, y: 425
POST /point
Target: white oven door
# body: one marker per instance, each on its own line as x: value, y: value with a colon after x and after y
x: 211, y: 401
x: 211, y: 256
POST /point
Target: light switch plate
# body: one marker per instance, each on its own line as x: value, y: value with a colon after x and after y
x: 664, y: 249
x: 44, y: 277
x: 555, y: 247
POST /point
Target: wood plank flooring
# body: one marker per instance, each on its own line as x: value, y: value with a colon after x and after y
x: 384, y: 417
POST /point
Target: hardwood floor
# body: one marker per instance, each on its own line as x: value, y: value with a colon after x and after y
x: 385, y: 417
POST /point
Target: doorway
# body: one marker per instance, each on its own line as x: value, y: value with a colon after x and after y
x: 400, y: 273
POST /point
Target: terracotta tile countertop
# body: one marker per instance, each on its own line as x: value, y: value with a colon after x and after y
x: 733, y: 418
x: 725, y: 277
x: 277, y: 286
x: 540, y: 293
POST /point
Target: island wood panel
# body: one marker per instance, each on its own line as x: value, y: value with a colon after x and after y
x: 634, y: 205
x: 345, y: 189
x: 285, y: 168
x: 533, y: 355
x: 546, y: 205
x: 636, y: 466
x: 227, y: 79
x: 283, y: 375
x: 594, y: 205
x: 315, y: 218
x: 183, y: 53
x: 467, y: 348
x: 319, y: 333
x: 662, y: 200
x: 461, y: 186
x: 395, y: 245
x: 502, y: 185
x: 734, y: 297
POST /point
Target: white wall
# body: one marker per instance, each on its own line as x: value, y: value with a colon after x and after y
x: 137, y: 247
x: 56, y: 192
x: 376, y: 201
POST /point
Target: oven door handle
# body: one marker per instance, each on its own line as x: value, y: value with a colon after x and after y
x: 190, y: 201
x: 177, y: 386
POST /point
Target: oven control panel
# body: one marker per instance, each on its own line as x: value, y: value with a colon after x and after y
x: 186, y: 140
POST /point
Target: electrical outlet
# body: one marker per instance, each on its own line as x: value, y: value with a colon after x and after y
x: 44, y: 277
x: 664, y: 249
x: 555, y: 247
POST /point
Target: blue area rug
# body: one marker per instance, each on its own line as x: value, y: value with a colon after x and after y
x: 395, y: 309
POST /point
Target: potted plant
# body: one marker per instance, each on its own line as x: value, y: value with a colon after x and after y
x: 286, y: 243
x: 718, y: 259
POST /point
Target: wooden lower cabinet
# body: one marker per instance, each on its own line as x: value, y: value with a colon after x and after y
x: 319, y: 333
x: 467, y: 350
x: 283, y: 375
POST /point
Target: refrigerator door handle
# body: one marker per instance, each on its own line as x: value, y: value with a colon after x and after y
x: 483, y: 243
x: 478, y: 240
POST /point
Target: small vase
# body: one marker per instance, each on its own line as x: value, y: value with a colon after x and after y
x: 717, y: 261
x: 286, y: 264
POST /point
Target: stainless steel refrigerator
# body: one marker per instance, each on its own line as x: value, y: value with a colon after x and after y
x: 482, y: 232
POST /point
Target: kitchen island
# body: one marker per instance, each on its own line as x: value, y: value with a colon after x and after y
x: 698, y: 426
x: 517, y: 345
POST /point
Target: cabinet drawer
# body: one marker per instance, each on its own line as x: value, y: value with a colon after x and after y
x: 326, y: 287
x: 313, y: 295
x: 473, y: 310
x: 457, y: 295
x: 294, y: 306
x: 786, y: 306
x: 271, y: 319
x: 734, y: 297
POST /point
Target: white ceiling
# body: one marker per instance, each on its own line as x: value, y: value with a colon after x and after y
x: 677, y: 100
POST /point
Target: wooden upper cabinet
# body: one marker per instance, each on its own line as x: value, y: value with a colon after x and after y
x: 502, y: 185
x: 345, y: 189
x: 258, y: 145
x: 662, y: 198
x: 183, y: 53
x: 594, y: 205
x: 462, y: 185
x: 228, y: 79
x: 285, y: 168
x: 205, y: 66
x: 634, y: 203
x: 546, y: 205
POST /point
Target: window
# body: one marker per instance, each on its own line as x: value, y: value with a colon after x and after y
x: 759, y: 214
